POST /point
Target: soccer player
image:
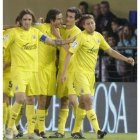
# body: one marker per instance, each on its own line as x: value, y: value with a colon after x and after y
x: 7, y: 88
x: 85, y: 51
x: 69, y: 31
x: 47, y: 67
x: 23, y: 42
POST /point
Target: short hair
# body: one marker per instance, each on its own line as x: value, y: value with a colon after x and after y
x: 51, y: 15
x: 85, y: 17
x: 24, y: 12
x: 106, y: 3
x: 116, y: 20
x: 74, y: 10
x: 85, y: 4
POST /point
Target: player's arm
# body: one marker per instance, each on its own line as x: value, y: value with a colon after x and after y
x: 119, y: 56
x: 6, y: 65
x: 111, y: 52
x: 55, y: 42
x: 73, y: 48
x: 66, y: 62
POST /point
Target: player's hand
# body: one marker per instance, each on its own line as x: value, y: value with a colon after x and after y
x: 131, y: 61
x: 71, y: 40
x: 63, y: 77
x: 56, y: 32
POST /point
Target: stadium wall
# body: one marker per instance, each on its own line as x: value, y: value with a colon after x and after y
x: 40, y: 7
x: 114, y: 103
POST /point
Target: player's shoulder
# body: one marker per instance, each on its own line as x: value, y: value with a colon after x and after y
x: 34, y: 29
x: 77, y: 28
x: 10, y: 31
x: 97, y: 34
x: 63, y: 28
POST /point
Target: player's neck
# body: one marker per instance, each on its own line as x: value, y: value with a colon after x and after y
x: 70, y: 26
x: 91, y: 33
x: 26, y: 29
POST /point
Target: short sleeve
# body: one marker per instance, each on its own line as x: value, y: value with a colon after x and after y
x: 75, y: 45
x: 103, y: 44
x: 8, y: 38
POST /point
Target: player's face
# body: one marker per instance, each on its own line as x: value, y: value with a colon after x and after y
x: 58, y: 21
x: 70, y: 19
x: 26, y: 21
x: 89, y: 25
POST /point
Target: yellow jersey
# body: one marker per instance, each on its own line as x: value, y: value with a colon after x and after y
x: 66, y: 33
x: 7, y: 58
x: 85, y: 49
x: 47, y: 53
x: 23, y: 48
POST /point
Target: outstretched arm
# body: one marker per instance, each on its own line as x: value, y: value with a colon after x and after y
x: 119, y: 56
x: 56, y: 42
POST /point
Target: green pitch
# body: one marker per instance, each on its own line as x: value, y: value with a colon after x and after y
x: 92, y: 136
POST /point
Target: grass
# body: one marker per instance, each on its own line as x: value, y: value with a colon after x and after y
x: 91, y: 136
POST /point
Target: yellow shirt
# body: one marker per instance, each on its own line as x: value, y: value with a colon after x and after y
x: 66, y: 33
x: 85, y: 49
x: 7, y: 58
x: 47, y: 53
x: 23, y: 48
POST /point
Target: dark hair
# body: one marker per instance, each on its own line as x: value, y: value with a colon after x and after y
x: 116, y: 20
x: 85, y: 17
x: 24, y: 12
x: 17, y: 19
x: 85, y: 4
x: 74, y: 10
x: 106, y: 3
x: 51, y: 15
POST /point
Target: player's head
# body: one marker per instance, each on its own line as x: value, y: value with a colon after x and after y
x: 72, y: 16
x: 88, y: 23
x: 26, y: 18
x: 54, y: 16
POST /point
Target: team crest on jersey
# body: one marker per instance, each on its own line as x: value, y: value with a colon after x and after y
x: 5, y: 37
x: 74, y: 44
x: 98, y: 41
x: 33, y: 36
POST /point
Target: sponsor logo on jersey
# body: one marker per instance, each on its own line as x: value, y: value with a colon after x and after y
x: 92, y: 50
x: 29, y: 46
x: 33, y: 36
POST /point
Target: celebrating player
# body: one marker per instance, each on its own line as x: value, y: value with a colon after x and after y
x: 47, y: 67
x: 68, y: 31
x: 23, y: 42
x: 85, y: 51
